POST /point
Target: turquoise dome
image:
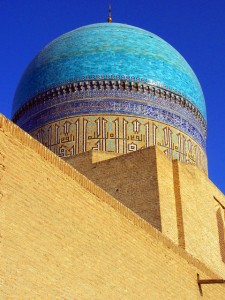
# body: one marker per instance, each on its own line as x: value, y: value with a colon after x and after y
x: 105, y: 50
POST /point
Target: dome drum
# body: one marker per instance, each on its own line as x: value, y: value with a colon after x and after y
x: 116, y: 88
x: 110, y: 83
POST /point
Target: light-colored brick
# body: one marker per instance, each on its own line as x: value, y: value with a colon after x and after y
x: 62, y: 237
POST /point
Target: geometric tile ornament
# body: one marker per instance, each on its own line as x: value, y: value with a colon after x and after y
x: 115, y: 88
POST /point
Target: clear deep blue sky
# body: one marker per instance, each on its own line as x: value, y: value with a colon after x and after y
x: 196, y: 28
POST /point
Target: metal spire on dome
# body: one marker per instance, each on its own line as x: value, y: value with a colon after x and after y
x: 109, y: 13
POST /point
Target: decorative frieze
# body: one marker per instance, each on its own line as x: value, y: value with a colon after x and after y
x: 112, y: 85
x: 129, y: 115
x: 118, y: 134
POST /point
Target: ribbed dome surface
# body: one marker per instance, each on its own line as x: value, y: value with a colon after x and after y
x: 109, y: 49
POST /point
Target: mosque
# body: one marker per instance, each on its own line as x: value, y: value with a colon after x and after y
x: 103, y: 174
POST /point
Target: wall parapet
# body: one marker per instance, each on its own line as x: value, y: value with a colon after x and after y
x: 8, y: 127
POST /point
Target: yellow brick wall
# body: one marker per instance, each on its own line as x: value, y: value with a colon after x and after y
x: 200, y: 216
x: 62, y: 237
x: 176, y: 198
x: 131, y: 179
x: 168, y: 209
x: 98, y: 156
x: 141, y: 180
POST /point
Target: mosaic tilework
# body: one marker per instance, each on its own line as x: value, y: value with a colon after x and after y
x: 113, y: 102
x: 119, y: 134
x: 107, y: 50
x: 115, y: 88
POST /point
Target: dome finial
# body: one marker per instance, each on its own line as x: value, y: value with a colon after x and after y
x: 109, y: 14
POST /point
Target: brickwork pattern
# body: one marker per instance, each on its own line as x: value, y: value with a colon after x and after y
x: 202, y: 235
x: 63, y: 237
x: 176, y: 198
x: 138, y: 181
x: 121, y: 178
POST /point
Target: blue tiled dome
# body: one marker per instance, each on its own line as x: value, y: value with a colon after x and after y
x: 109, y: 49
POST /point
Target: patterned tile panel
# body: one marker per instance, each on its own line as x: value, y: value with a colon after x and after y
x: 114, y: 103
x: 119, y: 134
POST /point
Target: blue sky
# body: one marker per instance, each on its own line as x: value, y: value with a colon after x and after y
x: 196, y: 28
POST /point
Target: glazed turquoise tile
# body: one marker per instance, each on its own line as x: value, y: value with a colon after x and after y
x: 108, y: 49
